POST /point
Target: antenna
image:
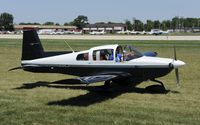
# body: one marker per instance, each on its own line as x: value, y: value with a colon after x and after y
x: 69, y: 46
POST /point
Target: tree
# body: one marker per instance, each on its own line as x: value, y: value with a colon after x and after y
x: 49, y: 23
x: 129, y: 25
x: 7, y: 21
x: 138, y: 25
x: 166, y: 24
x: 156, y: 24
x: 149, y: 25
x: 66, y: 24
x: 35, y: 23
x: 57, y: 24
x: 80, y: 21
x: 175, y: 22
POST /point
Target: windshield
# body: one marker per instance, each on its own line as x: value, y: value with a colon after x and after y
x: 131, y: 52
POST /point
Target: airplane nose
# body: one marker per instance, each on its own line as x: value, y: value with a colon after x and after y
x: 178, y: 63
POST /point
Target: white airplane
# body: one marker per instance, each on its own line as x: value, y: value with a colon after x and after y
x: 123, y: 32
x: 77, y: 32
x: 134, y: 32
x: 97, y: 32
x: 138, y: 32
x: 155, y: 32
x: 167, y: 31
x: 68, y: 32
x: 46, y: 31
x: 109, y: 63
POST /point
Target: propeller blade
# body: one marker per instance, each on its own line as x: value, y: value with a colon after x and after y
x: 177, y: 77
x: 175, y: 58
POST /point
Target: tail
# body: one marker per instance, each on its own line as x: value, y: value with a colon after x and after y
x: 32, y: 47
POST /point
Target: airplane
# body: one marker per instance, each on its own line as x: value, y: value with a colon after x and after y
x: 77, y: 32
x: 108, y: 63
x: 97, y: 32
x: 155, y: 32
x: 123, y: 32
x: 138, y: 32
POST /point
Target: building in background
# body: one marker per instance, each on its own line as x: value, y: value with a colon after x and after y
x: 107, y: 27
x: 39, y: 27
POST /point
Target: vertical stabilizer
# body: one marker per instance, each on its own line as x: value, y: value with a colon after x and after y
x: 32, y: 47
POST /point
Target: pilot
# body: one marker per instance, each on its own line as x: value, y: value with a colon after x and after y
x: 119, y: 57
x: 85, y: 56
x: 103, y: 55
x: 129, y: 55
x: 110, y: 57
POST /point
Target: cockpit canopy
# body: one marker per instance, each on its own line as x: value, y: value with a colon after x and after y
x: 115, y: 53
x: 131, y: 52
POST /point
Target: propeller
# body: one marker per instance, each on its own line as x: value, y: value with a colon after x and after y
x: 176, y: 69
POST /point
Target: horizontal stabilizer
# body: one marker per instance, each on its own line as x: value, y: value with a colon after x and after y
x: 15, y: 68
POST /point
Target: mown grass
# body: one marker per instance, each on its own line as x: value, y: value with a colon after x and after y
x: 28, y: 98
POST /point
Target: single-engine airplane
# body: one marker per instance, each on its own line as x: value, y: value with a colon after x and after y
x: 109, y: 63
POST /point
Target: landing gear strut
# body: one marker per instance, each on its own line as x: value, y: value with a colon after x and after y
x: 153, y: 80
x: 156, y: 88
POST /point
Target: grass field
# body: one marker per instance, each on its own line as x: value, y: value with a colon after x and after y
x: 31, y: 99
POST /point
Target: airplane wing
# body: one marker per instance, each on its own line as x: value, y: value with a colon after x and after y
x: 102, y: 77
x: 96, y: 78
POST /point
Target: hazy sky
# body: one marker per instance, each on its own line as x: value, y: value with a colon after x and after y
x: 98, y: 10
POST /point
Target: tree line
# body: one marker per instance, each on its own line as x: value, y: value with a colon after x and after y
x: 181, y: 23
x: 176, y: 23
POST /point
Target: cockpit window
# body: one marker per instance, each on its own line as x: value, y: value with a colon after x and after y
x: 82, y: 57
x: 131, y: 53
x: 103, y: 54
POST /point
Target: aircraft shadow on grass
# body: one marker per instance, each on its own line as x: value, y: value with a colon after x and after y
x: 96, y: 94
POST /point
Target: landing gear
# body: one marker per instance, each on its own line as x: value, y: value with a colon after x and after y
x: 158, y: 82
x: 156, y: 88
x: 107, y: 84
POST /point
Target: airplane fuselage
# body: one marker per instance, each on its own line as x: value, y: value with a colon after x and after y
x: 141, y: 69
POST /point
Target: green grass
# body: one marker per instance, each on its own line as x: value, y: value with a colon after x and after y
x: 36, y: 102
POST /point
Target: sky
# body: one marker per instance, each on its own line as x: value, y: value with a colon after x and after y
x: 61, y: 11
